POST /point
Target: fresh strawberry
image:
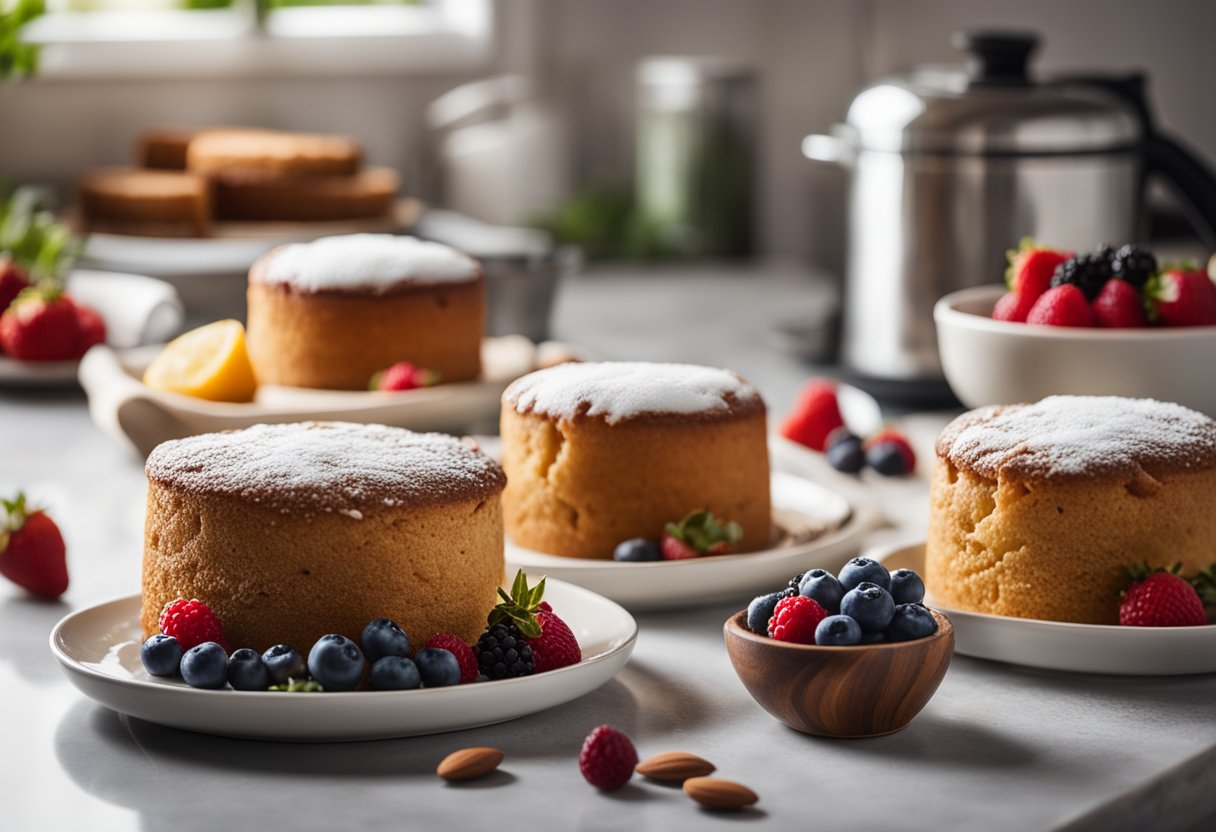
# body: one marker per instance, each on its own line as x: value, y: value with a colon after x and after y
x: 895, y: 436
x: 403, y: 376
x: 1182, y: 295
x: 1118, y: 305
x: 92, y: 328
x: 192, y: 623
x: 32, y: 554
x: 1160, y: 598
x: 41, y: 325
x: 459, y: 648
x: 1063, y: 305
x: 12, y: 281
x: 1030, y: 269
x: 556, y: 645
x: 816, y: 413
x: 700, y: 533
x: 1013, y: 307
x: 795, y: 619
x: 607, y: 758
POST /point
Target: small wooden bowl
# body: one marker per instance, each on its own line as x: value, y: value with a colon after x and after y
x: 859, y: 691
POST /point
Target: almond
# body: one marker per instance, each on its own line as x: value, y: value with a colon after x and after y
x: 716, y: 793
x: 674, y: 767
x: 469, y: 763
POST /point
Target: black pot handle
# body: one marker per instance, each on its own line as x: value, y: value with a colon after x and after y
x: 1185, y: 174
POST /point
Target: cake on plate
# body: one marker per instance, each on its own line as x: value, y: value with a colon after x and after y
x: 148, y: 202
x: 333, y: 312
x: 272, y: 151
x: 1039, y: 510
x: 289, y: 532
x: 599, y: 453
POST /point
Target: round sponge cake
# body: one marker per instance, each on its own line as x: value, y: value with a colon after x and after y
x: 333, y: 312
x: 598, y: 453
x: 1038, y: 510
x: 293, y: 531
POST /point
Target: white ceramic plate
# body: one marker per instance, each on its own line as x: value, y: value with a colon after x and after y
x: 1056, y: 645
x: 698, y: 581
x: 98, y: 648
x: 132, y: 412
x: 136, y: 309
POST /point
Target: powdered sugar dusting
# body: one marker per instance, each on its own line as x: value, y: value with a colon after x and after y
x: 338, y: 467
x: 623, y: 390
x: 376, y: 262
x: 1080, y: 436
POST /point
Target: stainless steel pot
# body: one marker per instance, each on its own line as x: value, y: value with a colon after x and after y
x: 950, y: 168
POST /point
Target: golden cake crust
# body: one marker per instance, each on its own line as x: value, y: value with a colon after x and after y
x: 146, y: 202
x: 587, y: 470
x: 286, y: 197
x: 272, y: 151
x: 278, y: 566
x: 1040, y: 515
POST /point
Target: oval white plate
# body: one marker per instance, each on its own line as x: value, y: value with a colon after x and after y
x: 137, y: 310
x: 684, y: 583
x: 98, y: 648
x: 128, y: 410
x: 1058, y: 645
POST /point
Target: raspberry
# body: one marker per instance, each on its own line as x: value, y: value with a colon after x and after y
x: 795, y: 620
x: 556, y: 645
x: 461, y: 650
x: 191, y: 623
x: 607, y: 759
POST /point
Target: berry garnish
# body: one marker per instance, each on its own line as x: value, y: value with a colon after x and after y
x: 246, y: 671
x: 461, y: 650
x: 403, y: 376
x: 847, y: 455
x: 702, y: 534
x: 384, y: 637
x: 336, y: 662
x: 822, y: 587
x: 892, y: 436
x: 1160, y: 598
x: 607, y: 759
x: 910, y: 622
x: 13, y: 281
x: 870, y: 606
x: 1087, y: 272
x: 1133, y: 265
x: 1031, y: 267
x: 502, y: 653
x: 795, y: 619
x: 760, y: 611
x: 395, y: 673
x: 1182, y: 295
x: 907, y: 587
x: 556, y: 645
x: 1063, y: 305
x: 864, y: 570
x: 519, y: 607
x: 205, y: 666
x: 161, y: 655
x: 1118, y: 305
x: 1013, y: 307
x: 838, y: 631
x: 41, y: 325
x: 191, y: 622
x: 284, y: 664
x: 636, y: 550
x: 32, y: 552
x: 816, y: 414
x: 438, y: 668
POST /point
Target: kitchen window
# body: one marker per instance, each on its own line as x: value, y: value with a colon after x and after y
x: 97, y: 39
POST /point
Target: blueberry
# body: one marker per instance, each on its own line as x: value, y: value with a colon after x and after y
x: 205, y: 666
x: 284, y: 663
x: 384, y: 637
x: 911, y: 621
x: 636, y: 550
x: 760, y: 610
x: 246, y: 670
x: 822, y: 586
x: 907, y: 587
x: 873, y: 638
x: 870, y: 605
x: 847, y: 455
x: 395, y: 673
x: 437, y: 667
x: 838, y: 631
x: 335, y: 662
x: 161, y: 655
x: 862, y: 570
x: 887, y: 458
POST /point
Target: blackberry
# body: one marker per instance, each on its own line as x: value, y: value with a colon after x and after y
x: 795, y: 584
x: 502, y: 653
x: 1134, y: 265
x: 1088, y: 272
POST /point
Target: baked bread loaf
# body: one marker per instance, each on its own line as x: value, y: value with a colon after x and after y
x: 289, y: 532
x: 599, y: 453
x: 164, y: 148
x: 145, y: 202
x: 333, y: 312
x: 278, y: 197
x: 1038, y: 510
x: 271, y: 151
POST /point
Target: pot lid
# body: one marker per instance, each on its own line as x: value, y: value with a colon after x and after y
x: 991, y: 107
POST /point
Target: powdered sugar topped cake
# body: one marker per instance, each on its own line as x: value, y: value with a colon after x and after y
x: 1039, y: 510
x: 600, y: 453
x: 333, y: 312
x: 625, y: 390
x: 364, y: 262
x: 293, y: 531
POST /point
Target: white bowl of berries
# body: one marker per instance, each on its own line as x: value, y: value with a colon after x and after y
x: 1103, y: 324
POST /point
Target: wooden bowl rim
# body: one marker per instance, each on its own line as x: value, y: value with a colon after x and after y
x: 735, y: 627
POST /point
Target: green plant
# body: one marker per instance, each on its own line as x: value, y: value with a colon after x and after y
x: 30, y: 235
x: 17, y: 58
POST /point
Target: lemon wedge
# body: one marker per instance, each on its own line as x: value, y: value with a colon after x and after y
x: 208, y: 363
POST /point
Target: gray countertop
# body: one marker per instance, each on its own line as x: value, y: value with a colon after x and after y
x: 999, y: 747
